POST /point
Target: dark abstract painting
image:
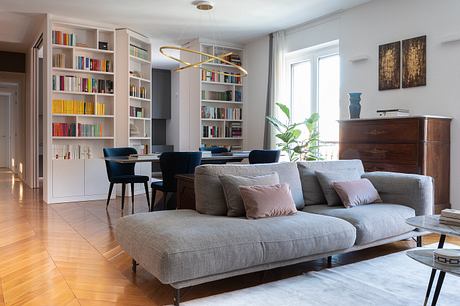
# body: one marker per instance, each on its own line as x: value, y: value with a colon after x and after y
x: 414, y: 62
x: 389, y: 66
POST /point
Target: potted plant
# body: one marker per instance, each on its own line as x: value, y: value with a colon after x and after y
x: 292, y: 141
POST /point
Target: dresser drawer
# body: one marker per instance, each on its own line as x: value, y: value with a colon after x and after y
x: 380, y: 131
x: 401, y: 168
x: 381, y: 153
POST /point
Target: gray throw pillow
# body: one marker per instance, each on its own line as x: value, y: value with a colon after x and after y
x: 326, y: 178
x: 231, y: 186
x: 311, y: 189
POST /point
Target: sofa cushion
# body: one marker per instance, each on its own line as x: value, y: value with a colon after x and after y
x: 209, y: 194
x: 327, y: 178
x: 182, y: 245
x: 267, y: 201
x: 355, y: 193
x: 231, y: 186
x: 311, y: 189
x: 373, y: 222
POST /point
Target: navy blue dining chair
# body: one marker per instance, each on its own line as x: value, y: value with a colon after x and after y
x: 119, y: 173
x: 264, y: 156
x: 172, y: 164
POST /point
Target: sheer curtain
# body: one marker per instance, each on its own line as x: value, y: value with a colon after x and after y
x: 276, y: 83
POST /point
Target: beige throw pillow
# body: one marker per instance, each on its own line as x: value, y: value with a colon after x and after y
x: 231, y: 184
x: 357, y: 192
x: 268, y: 201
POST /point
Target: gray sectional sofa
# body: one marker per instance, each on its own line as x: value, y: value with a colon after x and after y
x: 186, y: 247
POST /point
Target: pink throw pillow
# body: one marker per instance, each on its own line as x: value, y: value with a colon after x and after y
x: 267, y: 201
x: 358, y: 192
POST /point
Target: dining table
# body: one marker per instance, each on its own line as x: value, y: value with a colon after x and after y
x: 218, y: 158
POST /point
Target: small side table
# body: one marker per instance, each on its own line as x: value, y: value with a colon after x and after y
x: 185, y: 191
x: 425, y: 256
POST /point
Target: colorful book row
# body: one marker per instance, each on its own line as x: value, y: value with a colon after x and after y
x: 81, y: 84
x: 71, y: 130
x: 138, y: 52
x: 214, y: 76
x: 59, y: 60
x: 76, y: 107
x: 92, y: 64
x: 136, y: 112
x: 62, y: 38
x: 208, y: 112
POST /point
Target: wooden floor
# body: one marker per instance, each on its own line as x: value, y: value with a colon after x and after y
x: 66, y: 254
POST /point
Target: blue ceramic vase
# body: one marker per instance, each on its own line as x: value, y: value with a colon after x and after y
x: 355, y: 106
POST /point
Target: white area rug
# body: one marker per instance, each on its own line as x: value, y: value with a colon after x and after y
x: 392, y: 280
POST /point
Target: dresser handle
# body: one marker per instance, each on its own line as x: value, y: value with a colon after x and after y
x: 377, y: 151
x: 376, y: 132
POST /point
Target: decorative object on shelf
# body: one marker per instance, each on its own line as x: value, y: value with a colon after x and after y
x: 389, y: 66
x: 143, y: 92
x: 297, y: 146
x: 133, y: 90
x: 225, y: 58
x: 448, y: 257
x: 355, y: 106
x: 103, y: 45
x: 414, y: 62
x: 396, y: 112
x: 134, y: 130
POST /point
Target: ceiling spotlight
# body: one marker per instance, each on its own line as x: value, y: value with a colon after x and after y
x: 204, y: 5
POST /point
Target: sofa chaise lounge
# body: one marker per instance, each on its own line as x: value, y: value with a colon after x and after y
x: 183, y: 248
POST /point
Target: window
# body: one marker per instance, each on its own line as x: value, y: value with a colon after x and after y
x: 314, y: 82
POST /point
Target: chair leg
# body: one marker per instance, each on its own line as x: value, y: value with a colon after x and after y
x: 419, y: 241
x: 110, y: 194
x: 154, y: 194
x: 177, y: 297
x: 123, y: 190
x: 132, y: 198
x: 134, y: 266
x: 165, y: 200
x: 146, y: 186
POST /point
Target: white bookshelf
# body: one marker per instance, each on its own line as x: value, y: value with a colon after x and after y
x: 76, y: 168
x: 213, y: 85
x: 134, y: 73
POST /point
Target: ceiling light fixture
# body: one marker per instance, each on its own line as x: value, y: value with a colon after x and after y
x: 204, y: 5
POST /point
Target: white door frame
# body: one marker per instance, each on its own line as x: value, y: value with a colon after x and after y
x: 10, y: 127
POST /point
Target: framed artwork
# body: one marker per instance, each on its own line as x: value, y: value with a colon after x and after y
x: 414, y: 62
x: 390, y: 66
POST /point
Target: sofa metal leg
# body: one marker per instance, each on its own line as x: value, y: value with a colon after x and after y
x: 329, y: 261
x: 176, y: 298
x: 419, y: 241
x: 134, y: 266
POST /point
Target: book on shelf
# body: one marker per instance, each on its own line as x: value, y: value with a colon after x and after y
x: 62, y: 38
x: 229, y: 113
x: 397, y: 112
x: 214, y: 76
x: 77, y: 107
x: 212, y: 131
x: 237, y: 96
x: 234, y: 129
x: 137, y: 112
x: 142, y: 149
x: 71, y: 151
x: 59, y: 60
x: 93, y: 64
x: 138, y: 52
x: 62, y: 129
x: 217, y: 95
x: 81, y: 84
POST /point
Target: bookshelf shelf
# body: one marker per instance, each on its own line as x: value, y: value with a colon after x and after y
x: 139, y: 118
x: 222, y: 138
x: 139, y: 79
x: 78, y: 48
x: 75, y: 46
x: 140, y: 60
x: 140, y: 99
x: 57, y: 69
x: 139, y: 138
x: 219, y: 65
x: 223, y: 120
x: 221, y: 102
x: 221, y: 83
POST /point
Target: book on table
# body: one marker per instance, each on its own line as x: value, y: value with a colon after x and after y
x: 451, y: 213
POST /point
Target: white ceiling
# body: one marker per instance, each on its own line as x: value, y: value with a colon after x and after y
x: 177, y: 21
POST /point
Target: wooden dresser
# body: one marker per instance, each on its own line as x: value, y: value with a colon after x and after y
x: 419, y: 145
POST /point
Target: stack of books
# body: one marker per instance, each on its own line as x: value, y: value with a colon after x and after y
x: 450, y: 217
x: 397, y: 112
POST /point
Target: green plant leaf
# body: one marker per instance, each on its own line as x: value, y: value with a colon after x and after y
x: 284, y: 109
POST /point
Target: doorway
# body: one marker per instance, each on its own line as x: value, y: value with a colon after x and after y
x: 37, y: 117
x: 5, y: 138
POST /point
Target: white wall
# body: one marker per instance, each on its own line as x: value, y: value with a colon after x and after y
x: 360, y: 31
x: 256, y: 62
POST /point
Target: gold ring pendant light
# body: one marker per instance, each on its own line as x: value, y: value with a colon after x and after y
x: 204, y: 5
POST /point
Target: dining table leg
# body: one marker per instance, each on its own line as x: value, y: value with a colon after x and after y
x: 442, y: 239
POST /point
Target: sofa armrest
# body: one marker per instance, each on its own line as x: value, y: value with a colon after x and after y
x: 416, y: 191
